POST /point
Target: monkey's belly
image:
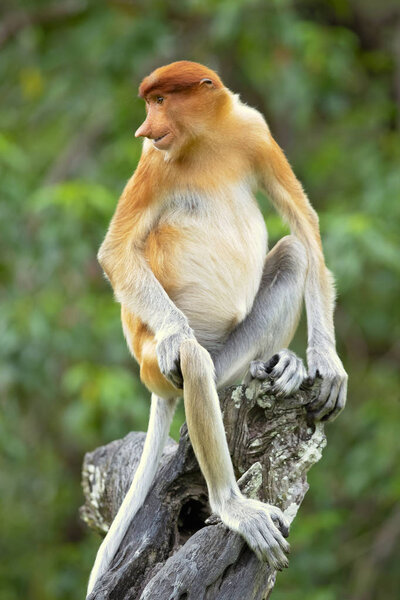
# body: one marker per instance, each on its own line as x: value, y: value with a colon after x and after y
x: 214, y: 310
x: 211, y: 270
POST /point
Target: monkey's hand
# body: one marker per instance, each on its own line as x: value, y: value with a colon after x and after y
x: 263, y: 526
x: 285, y: 369
x: 168, y: 353
x: 332, y: 396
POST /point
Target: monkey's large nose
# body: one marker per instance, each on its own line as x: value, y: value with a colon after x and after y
x: 144, y: 130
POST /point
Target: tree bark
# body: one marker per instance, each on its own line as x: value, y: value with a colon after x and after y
x: 174, y: 549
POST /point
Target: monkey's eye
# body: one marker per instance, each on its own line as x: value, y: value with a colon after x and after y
x: 159, y: 99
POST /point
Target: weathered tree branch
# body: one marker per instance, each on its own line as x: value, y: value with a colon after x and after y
x: 172, y: 550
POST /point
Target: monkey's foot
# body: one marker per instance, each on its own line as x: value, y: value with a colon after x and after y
x: 286, y: 370
x: 263, y: 526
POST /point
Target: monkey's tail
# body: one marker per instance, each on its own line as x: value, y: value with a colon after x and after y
x: 161, y: 414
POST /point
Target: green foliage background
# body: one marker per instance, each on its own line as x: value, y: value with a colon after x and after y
x: 327, y: 76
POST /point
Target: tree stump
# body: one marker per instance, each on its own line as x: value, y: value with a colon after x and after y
x: 174, y: 549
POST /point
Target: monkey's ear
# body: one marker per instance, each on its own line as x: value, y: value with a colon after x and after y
x: 207, y: 82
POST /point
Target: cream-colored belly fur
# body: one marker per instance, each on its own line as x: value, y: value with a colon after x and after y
x: 221, y: 258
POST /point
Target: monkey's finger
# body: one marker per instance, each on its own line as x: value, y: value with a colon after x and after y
x: 281, y: 523
x: 258, y: 545
x: 176, y: 382
x: 176, y: 378
x: 281, y: 541
x: 270, y: 364
x: 269, y: 547
x: 270, y: 551
x: 340, y: 403
x: 323, y: 395
x: 291, y: 378
x: 275, y: 544
x: 283, y: 362
x: 258, y: 369
x: 280, y: 383
x: 329, y: 405
x: 171, y: 373
x: 278, y: 514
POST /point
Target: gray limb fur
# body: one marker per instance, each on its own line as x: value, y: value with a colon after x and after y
x: 274, y: 317
x: 174, y: 549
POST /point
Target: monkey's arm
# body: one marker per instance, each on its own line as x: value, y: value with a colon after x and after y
x: 288, y: 197
x: 122, y: 258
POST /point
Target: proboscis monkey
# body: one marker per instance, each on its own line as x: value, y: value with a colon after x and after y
x: 202, y: 299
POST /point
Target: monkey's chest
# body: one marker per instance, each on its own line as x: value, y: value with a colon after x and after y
x: 210, y: 263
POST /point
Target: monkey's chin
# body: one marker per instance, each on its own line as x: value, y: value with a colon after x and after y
x: 163, y: 142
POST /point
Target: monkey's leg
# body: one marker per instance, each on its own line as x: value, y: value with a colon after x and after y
x: 263, y: 526
x: 271, y: 323
x: 161, y: 414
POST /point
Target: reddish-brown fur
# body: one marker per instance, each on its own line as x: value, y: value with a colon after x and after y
x: 176, y: 77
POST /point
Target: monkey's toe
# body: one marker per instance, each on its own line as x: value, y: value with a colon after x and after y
x: 286, y: 371
x: 258, y: 369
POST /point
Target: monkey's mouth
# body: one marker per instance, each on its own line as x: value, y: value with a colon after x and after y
x: 159, y: 142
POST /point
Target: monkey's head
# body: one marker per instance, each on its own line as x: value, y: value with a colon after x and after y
x: 182, y: 100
